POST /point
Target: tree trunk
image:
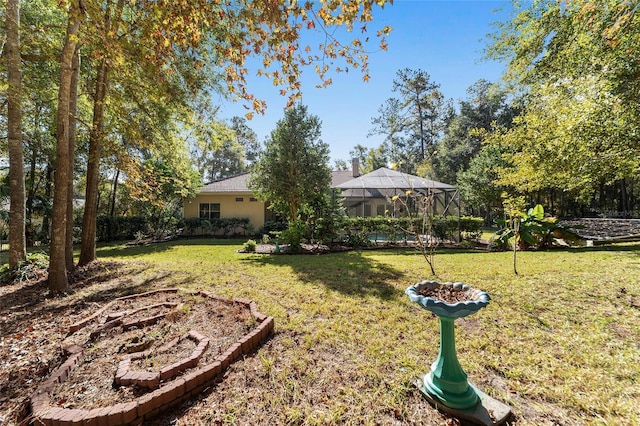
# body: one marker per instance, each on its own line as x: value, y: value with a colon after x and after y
x: 113, y: 192
x: 88, y: 248
x: 422, y: 142
x: 17, y: 241
x: 58, y: 281
x: 73, y: 111
x: 31, y: 187
x: 88, y: 245
x: 623, y: 206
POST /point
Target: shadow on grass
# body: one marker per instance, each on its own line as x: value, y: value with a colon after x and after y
x: 617, y: 247
x: 122, y: 250
x: 346, y: 272
x: 349, y: 273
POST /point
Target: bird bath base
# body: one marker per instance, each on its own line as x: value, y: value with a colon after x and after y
x: 446, y: 385
x: 488, y: 411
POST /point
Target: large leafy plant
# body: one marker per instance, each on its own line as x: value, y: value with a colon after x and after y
x: 530, y: 229
x: 533, y: 230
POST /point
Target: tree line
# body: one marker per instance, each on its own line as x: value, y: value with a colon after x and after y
x: 561, y: 129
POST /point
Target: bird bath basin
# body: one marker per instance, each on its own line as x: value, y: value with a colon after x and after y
x: 446, y: 384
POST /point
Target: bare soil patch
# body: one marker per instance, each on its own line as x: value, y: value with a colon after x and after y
x: 35, y: 331
x: 171, y: 316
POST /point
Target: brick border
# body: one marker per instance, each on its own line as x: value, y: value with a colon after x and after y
x: 153, y: 403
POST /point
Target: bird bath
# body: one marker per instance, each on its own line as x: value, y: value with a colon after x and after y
x: 446, y: 385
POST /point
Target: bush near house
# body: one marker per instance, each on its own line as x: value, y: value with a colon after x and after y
x: 221, y: 227
x: 347, y: 229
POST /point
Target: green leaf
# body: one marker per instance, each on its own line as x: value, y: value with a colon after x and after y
x: 537, y: 212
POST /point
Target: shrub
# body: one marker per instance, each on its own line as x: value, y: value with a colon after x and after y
x: 272, y: 226
x: 294, y: 234
x: 249, y: 246
x: 35, y: 265
x: 471, y: 227
x: 533, y: 230
x: 397, y: 228
x: 232, y: 226
x: 358, y: 239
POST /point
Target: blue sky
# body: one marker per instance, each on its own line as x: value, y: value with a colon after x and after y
x: 443, y: 38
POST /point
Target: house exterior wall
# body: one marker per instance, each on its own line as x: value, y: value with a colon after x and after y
x: 229, y: 206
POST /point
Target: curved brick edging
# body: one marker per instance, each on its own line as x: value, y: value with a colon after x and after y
x: 153, y: 403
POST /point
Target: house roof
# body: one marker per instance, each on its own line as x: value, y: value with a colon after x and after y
x: 385, y: 182
x: 236, y: 183
x: 373, y: 184
x: 339, y: 177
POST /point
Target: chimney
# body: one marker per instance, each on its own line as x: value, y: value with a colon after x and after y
x: 355, y: 167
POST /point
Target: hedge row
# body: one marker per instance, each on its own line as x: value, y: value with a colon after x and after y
x: 118, y: 228
x: 381, y: 227
x: 402, y: 228
x: 226, y: 227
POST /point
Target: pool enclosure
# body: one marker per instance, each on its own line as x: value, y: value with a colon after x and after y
x: 372, y: 194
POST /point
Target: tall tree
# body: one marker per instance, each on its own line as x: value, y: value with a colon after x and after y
x: 58, y: 282
x: 422, y: 102
x: 293, y: 170
x: 40, y: 45
x: 216, y: 151
x: 73, y: 111
x: 370, y: 159
x: 159, y: 182
x: 478, y: 183
x: 391, y: 123
x: 413, y: 122
x: 247, y: 138
x: 88, y: 248
x: 17, y: 242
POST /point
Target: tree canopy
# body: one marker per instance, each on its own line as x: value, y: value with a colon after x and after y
x: 576, y: 64
x: 293, y: 173
x: 412, y: 123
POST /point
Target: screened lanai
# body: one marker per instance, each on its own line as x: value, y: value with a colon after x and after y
x: 371, y: 195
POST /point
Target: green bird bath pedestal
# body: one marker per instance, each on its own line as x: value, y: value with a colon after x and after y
x: 446, y: 385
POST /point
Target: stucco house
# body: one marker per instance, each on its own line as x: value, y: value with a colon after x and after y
x: 365, y: 195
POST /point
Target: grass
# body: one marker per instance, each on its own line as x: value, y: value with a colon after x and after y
x: 559, y: 343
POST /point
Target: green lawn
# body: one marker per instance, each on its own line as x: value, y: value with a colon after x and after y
x: 559, y: 343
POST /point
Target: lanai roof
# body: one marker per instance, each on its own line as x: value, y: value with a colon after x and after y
x: 386, y: 182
